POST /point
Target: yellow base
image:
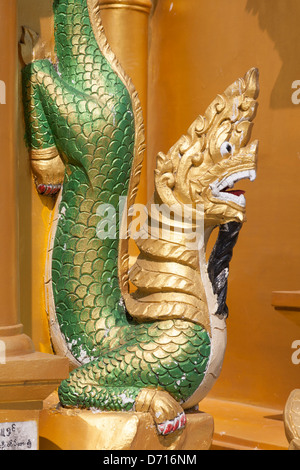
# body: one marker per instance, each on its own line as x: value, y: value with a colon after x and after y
x: 25, y: 381
x: 73, y: 429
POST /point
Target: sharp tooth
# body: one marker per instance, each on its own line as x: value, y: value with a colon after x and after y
x: 242, y: 200
x: 230, y: 181
x: 252, y: 175
x: 215, y: 190
x: 241, y: 175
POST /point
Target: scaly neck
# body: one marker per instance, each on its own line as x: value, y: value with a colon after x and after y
x: 80, y: 61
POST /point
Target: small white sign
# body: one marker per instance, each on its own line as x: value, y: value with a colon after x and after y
x: 19, y: 436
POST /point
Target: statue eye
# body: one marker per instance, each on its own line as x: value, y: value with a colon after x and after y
x: 226, y: 148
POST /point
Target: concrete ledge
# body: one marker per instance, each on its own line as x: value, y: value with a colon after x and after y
x: 286, y: 300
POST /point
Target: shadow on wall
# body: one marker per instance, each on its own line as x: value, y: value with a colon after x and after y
x: 154, y: 5
x: 281, y: 21
x: 37, y: 15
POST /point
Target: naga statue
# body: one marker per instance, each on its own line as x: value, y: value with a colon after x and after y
x: 149, y: 338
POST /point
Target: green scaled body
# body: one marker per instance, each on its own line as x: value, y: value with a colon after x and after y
x: 82, y: 107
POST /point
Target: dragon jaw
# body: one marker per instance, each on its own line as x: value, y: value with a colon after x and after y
x: 220, y: 188
x: 203, y: 166
x: 223, y: 202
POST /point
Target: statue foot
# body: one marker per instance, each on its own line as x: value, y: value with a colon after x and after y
x: 170, y: 426
x: 167, y: 413
x: 48, y: 169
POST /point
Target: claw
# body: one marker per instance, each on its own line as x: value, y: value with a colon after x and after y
x: 169, y: 426
x: 48, y: 189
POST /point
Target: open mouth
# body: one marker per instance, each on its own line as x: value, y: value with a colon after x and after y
x: 223, y: 189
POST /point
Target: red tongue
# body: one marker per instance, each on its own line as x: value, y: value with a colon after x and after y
x: 236, y: 192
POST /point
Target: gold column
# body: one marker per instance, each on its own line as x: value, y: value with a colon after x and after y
x: 26, y: 377
x: 126, y: 24
x: 126, y: 27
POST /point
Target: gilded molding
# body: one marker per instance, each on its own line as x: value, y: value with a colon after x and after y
x: 140, y: 5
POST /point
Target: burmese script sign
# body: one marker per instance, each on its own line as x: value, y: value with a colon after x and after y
x: 19, y: 436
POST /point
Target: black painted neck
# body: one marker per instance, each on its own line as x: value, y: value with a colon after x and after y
x: 218, y: 265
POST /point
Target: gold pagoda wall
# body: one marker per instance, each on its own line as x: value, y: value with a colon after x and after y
x: 196, y: 49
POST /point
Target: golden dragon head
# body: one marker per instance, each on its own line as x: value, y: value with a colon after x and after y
x: 204, y: 165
